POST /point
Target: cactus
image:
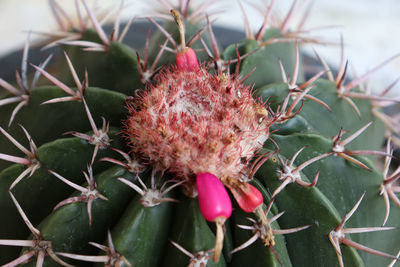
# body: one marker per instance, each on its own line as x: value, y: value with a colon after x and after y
x: 169, y: 156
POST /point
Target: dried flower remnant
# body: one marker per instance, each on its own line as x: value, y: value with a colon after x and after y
x: 186, y: 58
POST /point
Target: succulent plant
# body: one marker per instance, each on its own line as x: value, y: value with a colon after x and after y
x: 181, y: 154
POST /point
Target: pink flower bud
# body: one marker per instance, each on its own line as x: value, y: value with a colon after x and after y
x: 187, y: 60
x: 214, y: 200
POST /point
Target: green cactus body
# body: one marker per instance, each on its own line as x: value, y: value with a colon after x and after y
x: 296, y: 156
x: 267, y: 70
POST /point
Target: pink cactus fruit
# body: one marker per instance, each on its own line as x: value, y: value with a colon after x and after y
x: 247, y: 196
x: 213, y: 198
x: 186, y: 60
x: 215, y: 205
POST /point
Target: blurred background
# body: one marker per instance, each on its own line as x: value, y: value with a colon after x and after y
x: 370, y: 28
